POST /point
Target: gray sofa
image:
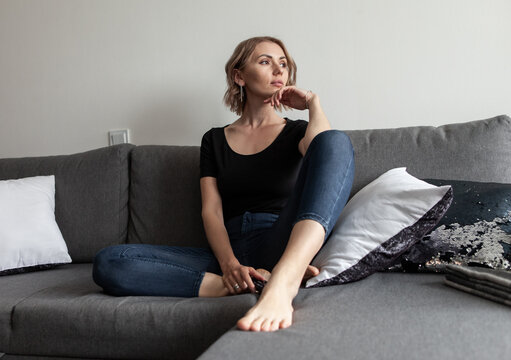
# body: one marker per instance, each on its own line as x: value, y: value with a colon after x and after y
x: 150, y: 194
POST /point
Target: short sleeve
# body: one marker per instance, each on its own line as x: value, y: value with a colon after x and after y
x: 301, y: 126
x: 208, y: 166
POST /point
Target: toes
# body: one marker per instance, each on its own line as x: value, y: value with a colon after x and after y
x: 266, y: 325
x: 274, y: 325
x: 311, y: 271
x: 284, y: 324
x: 244, y: 323
x: 249, y: 323
x: 261, y: 324
x: 256, y: 324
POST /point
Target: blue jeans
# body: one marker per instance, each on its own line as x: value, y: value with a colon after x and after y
x: 258, y: 239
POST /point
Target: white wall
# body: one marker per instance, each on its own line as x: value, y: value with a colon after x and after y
x: 71, y: 70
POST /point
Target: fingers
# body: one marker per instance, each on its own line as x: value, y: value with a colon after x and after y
x: 232, y: 284
x: 247, y: 280
x: 229, y: 287
x: 271, y: 100
x: 256, y: 274
x: 277, y: 96
x: 239, y: 281
x: 235, y: 287
x: 289, y: 96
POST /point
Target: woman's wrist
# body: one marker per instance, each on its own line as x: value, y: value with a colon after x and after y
x: 226, y: 264
x: 310, y: 99
x: 313, y: 99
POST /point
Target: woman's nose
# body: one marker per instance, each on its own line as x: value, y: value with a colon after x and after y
x: 277, y: 69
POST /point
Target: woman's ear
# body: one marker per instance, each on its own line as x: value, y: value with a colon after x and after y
x: 238, y: 78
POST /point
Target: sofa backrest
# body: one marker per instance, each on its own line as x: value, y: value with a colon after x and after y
x: 91, y: 195
x: 165, y: 203
x: 151, y: 194
x: 476, y: 151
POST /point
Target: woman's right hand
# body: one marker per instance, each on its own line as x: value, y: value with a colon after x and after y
x: 235, y: 273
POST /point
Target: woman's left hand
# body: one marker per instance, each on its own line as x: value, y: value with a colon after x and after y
x: 291, y: 96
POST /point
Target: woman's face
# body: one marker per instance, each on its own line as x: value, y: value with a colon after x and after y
x: 265, y: 71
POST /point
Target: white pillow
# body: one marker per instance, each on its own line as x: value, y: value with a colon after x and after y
x: 29, y: 234
x: 378, y: 224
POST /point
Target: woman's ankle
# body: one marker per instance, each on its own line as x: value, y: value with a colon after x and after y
x: 212, y: 286
x: 281, y: 286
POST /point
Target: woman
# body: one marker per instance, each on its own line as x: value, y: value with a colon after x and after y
x: 272, y: 190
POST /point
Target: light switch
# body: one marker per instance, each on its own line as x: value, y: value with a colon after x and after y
x: 118, y: 137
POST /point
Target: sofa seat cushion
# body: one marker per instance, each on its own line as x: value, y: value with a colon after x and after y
x: 385, y: 316
x: 14, y: 289
x: 75, y: 318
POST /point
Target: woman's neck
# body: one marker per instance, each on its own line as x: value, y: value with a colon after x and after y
x: 258, y: 114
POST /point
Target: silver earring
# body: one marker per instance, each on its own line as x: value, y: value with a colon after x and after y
x: 241, y: 93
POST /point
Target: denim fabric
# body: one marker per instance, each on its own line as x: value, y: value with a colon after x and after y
x: 257, y: 239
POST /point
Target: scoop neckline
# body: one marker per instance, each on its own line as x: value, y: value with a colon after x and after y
x: 257, y: 153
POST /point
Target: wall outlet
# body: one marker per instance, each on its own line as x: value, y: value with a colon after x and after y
x: 118, y: 137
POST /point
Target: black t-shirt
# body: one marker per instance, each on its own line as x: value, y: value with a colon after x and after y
x: 260, y: 182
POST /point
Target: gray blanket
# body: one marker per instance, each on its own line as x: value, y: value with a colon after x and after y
x: 489, y: 283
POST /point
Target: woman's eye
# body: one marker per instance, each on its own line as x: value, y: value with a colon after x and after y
x: 284, y: 65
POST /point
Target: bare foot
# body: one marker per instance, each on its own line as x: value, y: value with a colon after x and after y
x: 265, y: 273
x: 273, y: 310
x: 310, y: 273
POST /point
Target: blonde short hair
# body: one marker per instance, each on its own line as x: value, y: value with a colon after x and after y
x: 238, y: 60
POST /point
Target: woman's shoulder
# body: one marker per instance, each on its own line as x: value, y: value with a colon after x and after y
x: 214, y: 131
x: 297, y: 125
x: 213, y: 137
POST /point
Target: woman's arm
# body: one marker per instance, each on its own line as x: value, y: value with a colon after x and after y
x: 300, y: 99
x: 212, y: 217
x: 317, y: 123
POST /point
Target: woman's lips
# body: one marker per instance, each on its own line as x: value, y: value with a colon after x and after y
x: 277, y: 83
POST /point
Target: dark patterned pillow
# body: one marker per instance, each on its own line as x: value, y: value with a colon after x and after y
x: 475, y: 231
x: 28, y: 269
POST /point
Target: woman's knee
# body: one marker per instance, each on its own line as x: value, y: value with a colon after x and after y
x: 334, y: 145
x: 105, y: 255
x: 334, y: 138
x: 106, y: 264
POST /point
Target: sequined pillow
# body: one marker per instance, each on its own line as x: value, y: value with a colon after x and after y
x: 475, y: 231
